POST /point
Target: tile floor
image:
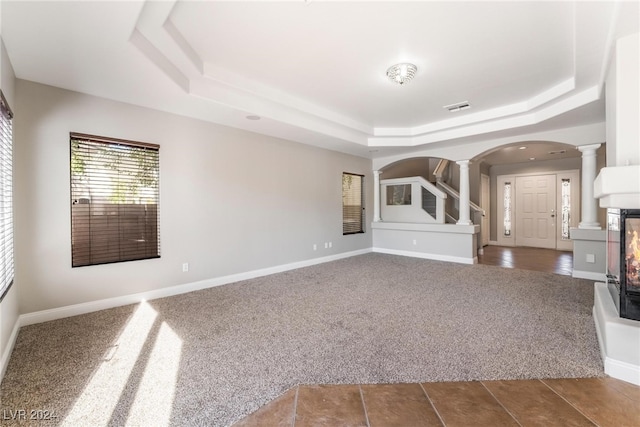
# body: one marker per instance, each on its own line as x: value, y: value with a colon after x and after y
x: 551, y: 402
x: 600, y: 402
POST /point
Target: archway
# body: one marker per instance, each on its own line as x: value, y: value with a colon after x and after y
x: 535, y: 192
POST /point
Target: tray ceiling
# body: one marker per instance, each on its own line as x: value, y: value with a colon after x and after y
x: 315, y: 71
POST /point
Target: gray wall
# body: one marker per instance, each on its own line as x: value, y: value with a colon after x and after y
x: 418, y: 166
x: 231, y: 201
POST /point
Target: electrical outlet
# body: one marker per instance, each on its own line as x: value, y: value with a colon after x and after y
x: 185, y: 267
x: 315, y: 247
x: 415, y: 242
x: 591, y: 258
x: 330, y: 244
x: 326, y: 245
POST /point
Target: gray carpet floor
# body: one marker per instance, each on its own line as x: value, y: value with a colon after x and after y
x: 213, y: 356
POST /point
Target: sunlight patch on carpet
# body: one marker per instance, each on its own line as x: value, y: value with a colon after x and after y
x: 154, y: 398
x: 99, y: 398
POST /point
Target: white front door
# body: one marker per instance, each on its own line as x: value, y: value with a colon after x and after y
x: 536, y: 211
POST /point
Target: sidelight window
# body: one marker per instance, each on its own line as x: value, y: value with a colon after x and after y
x: 565, y: 207
x: 507, y: 208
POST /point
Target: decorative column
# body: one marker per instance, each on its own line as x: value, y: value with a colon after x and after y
x: 376, y: 196
x: 464, y: 208
x: 589, y: 213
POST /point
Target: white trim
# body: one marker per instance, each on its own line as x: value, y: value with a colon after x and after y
x: 575, y: 208
x: 4, y: 362
x: 434, y: 228
x: 599, y: 332
x: 622, y: 370
x: 618, y: 186
x: 424, y: 255
x: 591, y: 275
x: 88, y: 307
x: 411, y: 179
x: 617, y: 337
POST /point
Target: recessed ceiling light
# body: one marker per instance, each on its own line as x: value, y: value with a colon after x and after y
x: 522, y: 148
x: 253, y: 117
x: 532, y: 158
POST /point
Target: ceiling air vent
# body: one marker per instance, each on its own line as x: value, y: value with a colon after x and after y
x: 558, y: 152
x: 458, y: 106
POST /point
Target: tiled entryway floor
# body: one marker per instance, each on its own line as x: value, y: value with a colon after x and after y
x: 549, y: 402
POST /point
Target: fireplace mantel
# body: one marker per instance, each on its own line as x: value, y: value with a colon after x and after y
x: 618, y: 187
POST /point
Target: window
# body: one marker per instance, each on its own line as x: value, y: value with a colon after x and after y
x: 114, y: 200
x: 566, y: 208
x: 399, y: 194
x: 352, y: 203
x: 507, y: 209
x: 6, y: 197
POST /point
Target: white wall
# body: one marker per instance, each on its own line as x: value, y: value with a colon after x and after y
x: 231, y: 201
x: 620, y: 338
x: 623, y: 105
x: 9, y: 305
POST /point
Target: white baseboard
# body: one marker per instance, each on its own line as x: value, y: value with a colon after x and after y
x: 621, y: 370
x: 493, y: 243
x: 77, y: 309
x: 6, y: 355
x: 618, y: 338
x: 436, y: 257
x: 591, y: 275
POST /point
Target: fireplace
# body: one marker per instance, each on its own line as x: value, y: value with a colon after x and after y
x: 623, y: 260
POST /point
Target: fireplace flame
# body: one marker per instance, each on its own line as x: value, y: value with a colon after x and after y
x: 635, y: 246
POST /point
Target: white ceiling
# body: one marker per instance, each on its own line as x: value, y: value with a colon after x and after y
x: 315, y: 71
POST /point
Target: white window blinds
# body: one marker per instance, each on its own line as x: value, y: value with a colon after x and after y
x: 6, y: 198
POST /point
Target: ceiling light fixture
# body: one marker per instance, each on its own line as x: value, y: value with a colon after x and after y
x: 401, y: 73
x: 522, y: 148
x: 253, y: 117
